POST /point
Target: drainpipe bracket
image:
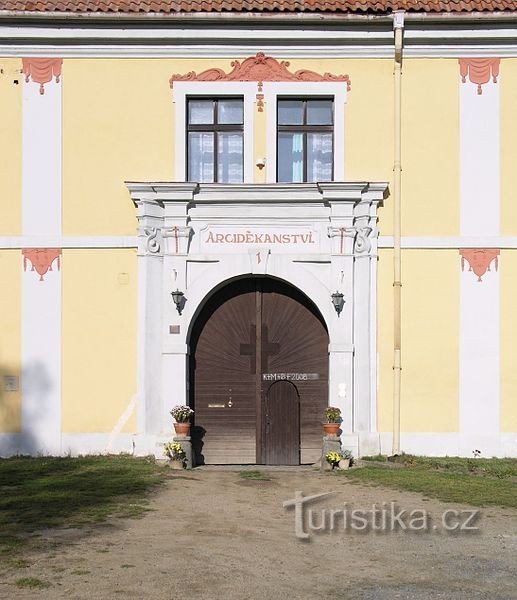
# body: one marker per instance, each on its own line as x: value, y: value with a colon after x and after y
x: 398, y: 19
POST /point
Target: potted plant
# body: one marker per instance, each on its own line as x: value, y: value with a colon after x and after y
x: 333, y: 420
x: 176, y: 455
x: 346, y: 459
x: 181, y: 415
x: 333, y: 459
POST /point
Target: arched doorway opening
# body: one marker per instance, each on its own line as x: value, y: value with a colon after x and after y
x: 251, y: 335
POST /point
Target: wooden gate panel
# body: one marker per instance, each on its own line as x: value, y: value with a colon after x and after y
x: 224, y: 383
x: 303, y: 350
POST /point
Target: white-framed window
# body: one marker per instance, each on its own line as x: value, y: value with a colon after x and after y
x: 209, y: 147
x: 215, y: 139
x: 305, y: 150
x: 305, y: 139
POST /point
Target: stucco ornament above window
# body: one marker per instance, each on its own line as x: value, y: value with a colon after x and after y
x: 479, y: 70
x: 259, y: 68
x: 42, y: 70
x: 479, y: 259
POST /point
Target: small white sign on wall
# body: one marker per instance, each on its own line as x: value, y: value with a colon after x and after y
x: 11, y: 383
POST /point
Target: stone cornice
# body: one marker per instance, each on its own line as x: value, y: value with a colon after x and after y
x: 42, y: 34
x: 260, y: 193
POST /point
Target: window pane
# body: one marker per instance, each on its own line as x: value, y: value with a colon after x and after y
x: 229, y: 158
x: 319, y: 157
x: 200, y: 112
x: 319, y: 112
x: 201, y: 157
x: 290, y: 112
x: 290, y: 157
x: 230, y: 111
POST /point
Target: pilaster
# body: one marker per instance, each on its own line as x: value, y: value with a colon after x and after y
x: 41, y: 275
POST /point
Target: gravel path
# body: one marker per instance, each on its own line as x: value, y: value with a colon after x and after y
x: 214, y: 535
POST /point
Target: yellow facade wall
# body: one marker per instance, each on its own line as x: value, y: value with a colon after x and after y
x: 10, y: 146
x: 385, y: 340
x: 508, y: 319
x: 99, y: 339
x: 369, y: 126
x: 125, y: 131
x: 430, y: 147
x: 508, y: 132
x: 117, y: 126
x: 430, y: 139
x: 430, y: 334
x: 10, y: 338
x: 430, y: 329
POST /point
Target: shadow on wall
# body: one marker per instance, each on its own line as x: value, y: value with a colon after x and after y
x: 33, y: 428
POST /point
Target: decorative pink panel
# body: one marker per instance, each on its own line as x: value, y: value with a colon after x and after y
x: 259, y: 68
x: 479, y: 259
x: 42, y: 70
x: 41, y: 259
x: 479, y: 70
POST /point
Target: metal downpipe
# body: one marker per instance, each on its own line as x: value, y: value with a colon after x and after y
x: 398, y: 26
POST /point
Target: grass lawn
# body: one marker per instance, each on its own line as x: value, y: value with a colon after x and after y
x: 255, y: 475
x: 478, y: 481
x: 37, y: 493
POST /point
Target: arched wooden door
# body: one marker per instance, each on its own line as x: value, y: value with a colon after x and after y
x: 252, y: 333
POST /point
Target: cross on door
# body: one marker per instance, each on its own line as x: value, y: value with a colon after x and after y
x: 267, y: 348
x: 251, y: 348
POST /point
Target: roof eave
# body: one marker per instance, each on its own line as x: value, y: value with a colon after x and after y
x: 316, y: 17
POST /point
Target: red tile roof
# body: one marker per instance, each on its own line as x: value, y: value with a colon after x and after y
x: 218, y: 6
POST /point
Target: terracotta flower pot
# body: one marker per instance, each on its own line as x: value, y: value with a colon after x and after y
x: 182, y: 429
x: 331, y: 428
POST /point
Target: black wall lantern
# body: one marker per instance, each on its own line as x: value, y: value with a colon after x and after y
x: 178, y: 299
x: 338, y: 301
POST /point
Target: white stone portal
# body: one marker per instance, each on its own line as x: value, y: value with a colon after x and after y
x: 320, y: 238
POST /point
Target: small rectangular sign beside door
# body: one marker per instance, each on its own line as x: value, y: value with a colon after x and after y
x: 289, y: 376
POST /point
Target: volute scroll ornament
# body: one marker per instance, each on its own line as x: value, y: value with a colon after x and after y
x: 152, y: 244
x: 363, y: 242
